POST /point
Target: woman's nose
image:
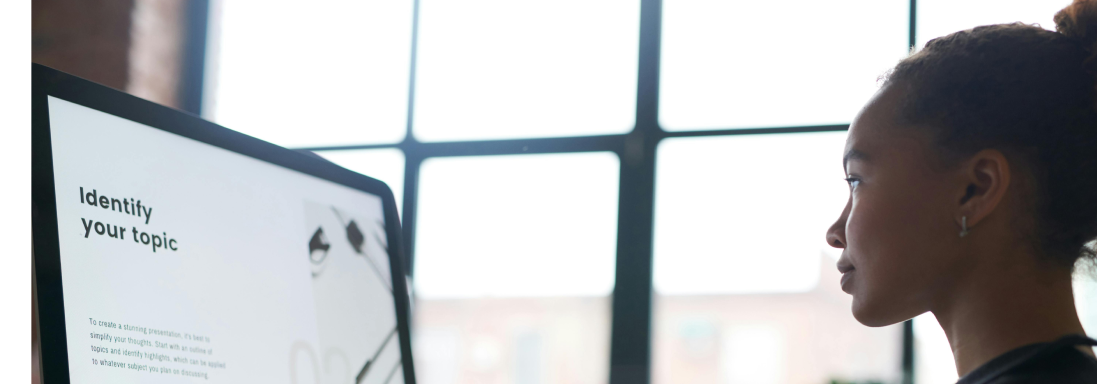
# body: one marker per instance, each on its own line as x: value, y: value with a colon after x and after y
x: 836, y: 234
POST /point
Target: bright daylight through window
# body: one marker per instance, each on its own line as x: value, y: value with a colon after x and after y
x: 499, y: 69
x: 750, y: 64
x: 339, y: 75
x: 514, y: 267
x: 746, y: 288
x: 515, y: 255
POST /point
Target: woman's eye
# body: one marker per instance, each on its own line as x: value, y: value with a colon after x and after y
x: 853, y: 181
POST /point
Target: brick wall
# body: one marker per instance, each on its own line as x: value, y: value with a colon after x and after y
x: 132, y: 45
x: 87, y: 38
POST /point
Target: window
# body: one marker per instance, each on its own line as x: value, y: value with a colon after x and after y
x: 498, y: 69
x: 933, y: 355
x: 1085, y: 298
x: 746, y: 214
x: 321, y: 73
x: 746, y: 287
x: 458, y: 94
x: 514, y: 266
x: 720, y: 68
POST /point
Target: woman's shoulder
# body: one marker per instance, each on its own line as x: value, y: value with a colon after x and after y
x: 1056, y: 362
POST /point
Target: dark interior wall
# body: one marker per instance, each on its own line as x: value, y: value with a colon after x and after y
x: 87, y: 38
x: 143, y: 47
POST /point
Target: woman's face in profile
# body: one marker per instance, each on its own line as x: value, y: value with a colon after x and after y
x: 898, y: 230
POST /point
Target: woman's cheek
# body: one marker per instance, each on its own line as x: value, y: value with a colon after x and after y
x: 858, y: 226
x: 866, y: 243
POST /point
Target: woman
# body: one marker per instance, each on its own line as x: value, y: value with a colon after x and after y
x: 973, y: 195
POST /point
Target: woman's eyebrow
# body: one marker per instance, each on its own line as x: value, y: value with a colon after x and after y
x: 853, y: 154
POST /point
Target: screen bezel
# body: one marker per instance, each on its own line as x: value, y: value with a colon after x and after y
x: 53, y: 351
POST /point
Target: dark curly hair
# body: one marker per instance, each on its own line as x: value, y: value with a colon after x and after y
x: 1030, y: 93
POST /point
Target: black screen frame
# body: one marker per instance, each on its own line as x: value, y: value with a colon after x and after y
x: 53, y: 351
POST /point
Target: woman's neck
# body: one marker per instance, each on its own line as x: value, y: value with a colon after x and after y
x: 999, y: 310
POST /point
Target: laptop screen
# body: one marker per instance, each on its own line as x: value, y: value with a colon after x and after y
x: 185, y: 262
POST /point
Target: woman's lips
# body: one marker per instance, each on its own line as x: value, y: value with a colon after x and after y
x: 847, y: 278
x: 846, y: 268
x: 844, y: 265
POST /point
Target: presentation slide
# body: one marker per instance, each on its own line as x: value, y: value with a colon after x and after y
x: 182, y: 262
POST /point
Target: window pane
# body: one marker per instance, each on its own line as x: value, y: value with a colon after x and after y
x: 937, y: 18
x: 746, y: 287
x: 1085, y: 298
x: 741, y: 64
x: 933, y: 363
x: 747, y: 214
x: 386, y: 165
x: 315, y: 73
x: 514, y: 265
x: 496, y: 69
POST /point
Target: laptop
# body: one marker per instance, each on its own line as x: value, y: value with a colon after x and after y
x: 170, y: 249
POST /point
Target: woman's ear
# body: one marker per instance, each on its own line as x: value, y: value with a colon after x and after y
x: 986, y: 177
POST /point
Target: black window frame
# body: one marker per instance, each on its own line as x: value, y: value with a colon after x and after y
x: 631, y: 324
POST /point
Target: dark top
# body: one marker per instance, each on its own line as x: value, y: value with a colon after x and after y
x: 1055, y: 362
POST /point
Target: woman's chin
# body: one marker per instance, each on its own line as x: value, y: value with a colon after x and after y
x: 874, y: 315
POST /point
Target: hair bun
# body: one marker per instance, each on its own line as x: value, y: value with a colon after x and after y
x: 1079, y: 21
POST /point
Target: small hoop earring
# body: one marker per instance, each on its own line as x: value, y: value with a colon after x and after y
x: 963, y: 226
